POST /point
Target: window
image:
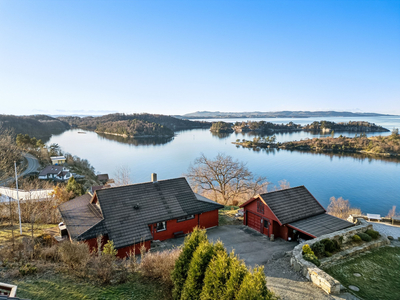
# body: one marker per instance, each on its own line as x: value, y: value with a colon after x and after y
x: 265, y: 224
x: 260, y: 206
x: 189, y: 217
x: 161, y: 226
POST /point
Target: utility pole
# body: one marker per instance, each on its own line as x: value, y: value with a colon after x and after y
x: 19, y: 209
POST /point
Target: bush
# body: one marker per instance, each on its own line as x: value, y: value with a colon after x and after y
x: 237, y: 272
x: 104, y: 268
x: 179, y: 274
x: 330, y: 245
x: 28, y: 269
x: 328, y: 254
x: 197, y: 269
x: 254, y: 286
x: 74, y: 255
x: 372, y: 233
x: 159, y: 265
x: 50, y: 254
x: 356, y: 238
x: 216, y: 276
x: 109, y: 249
x: 319, y: 249
x: 365, y: 237
x: 312, y: 258
x: 306, y: 249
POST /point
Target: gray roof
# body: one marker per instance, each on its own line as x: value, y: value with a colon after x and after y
x: 292, y: 204
x: 321, y: 224
x: 79, y: 215
x: 159, y: 201
x: 51, y: 170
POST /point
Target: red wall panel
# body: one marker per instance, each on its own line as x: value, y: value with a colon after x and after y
x: 209, y: 219
x: 174, y: 226
x: 125, y: 251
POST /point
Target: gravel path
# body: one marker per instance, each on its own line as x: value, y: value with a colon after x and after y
x: 387, y: 229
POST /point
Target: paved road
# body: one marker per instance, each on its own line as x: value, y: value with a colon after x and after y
x: 33, y: 165
x: 387, y: 229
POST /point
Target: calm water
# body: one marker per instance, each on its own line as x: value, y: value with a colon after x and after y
x: 370, y: 184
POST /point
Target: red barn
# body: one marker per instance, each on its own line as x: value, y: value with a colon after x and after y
x: 134, y: 215
x: 290, y: 213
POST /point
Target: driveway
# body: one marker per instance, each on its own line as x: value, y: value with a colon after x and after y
x: 256, y: 249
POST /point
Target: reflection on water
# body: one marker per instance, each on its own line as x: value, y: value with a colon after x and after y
x: 221, y: 135
x: 153, y: 141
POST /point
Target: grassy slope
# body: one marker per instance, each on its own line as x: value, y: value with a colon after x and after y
x: 380, y: 272
x: 6, y: 235
x: 59, y: 286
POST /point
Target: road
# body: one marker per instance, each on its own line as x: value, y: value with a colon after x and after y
x: 33, y: 165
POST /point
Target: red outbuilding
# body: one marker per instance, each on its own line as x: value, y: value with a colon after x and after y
x: 134, y: 215
x: 289, y: 214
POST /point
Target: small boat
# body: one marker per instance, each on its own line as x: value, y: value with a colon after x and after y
x: 81, y: 132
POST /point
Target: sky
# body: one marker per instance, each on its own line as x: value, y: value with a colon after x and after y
x: 176, y: 57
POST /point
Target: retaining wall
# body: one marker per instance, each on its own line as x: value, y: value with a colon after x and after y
x: 318, y: 276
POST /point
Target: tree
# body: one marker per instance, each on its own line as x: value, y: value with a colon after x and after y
x: 341, y: 208
x: 122, y: 176
x: 179, y: 274
x: 74, y: 187
x: 237, y: 271
x: 392, y: 212
x: 225, y: 178
x: 9, y: 153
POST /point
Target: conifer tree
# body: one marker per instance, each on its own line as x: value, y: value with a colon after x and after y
x: 254, y: 286
x: 182, y: 264
x: 75, y: 187
x: 197, y: 269
x: 237, y: 271
x: 216, y: 276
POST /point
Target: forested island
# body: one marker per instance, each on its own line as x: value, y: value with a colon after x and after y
x: 220, y: 127
x: 379, y: 145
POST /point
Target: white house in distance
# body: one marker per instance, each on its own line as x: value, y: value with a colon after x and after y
x: 58, y: 160
x: 56, y: 173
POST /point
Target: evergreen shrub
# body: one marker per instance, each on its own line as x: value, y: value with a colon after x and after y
x: 373, y: 233
x: 312, y: 258
x: 237, y: 272
x: 306, y: 249
x: 356, y: 238
x: 254, y: 286
x: 319, y: 249
x: 365, y: 237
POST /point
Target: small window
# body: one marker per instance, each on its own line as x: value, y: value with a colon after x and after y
x: 265, y: 224
x: 161, y: 226
x: 189, y: 217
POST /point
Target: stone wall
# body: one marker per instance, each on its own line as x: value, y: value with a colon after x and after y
x: 318, y: 276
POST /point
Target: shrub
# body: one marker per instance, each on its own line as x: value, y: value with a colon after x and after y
x: 50, y: 254
x: 356, y: 238
x: 216, y: 276
x: 312, y: 258
x: 328, y: 254
x: 109, y: 249
x: 319, y: 249
x: 28, y: 269
x: 179, y: 274
x: 306, y: 249
x: 365, y: 237
x: 330, y: 245
x: 74, y: 255
x: 254, y: 286
x: 237, y: 271
x: 372, y: 233
x: 104, y: 268
x: 159, y: 265
x: 198, y: 265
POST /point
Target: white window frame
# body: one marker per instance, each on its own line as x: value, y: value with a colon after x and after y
x: 165, y: 226
x: 189, y: 217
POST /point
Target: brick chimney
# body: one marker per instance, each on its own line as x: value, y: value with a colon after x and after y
x: 153, y: 177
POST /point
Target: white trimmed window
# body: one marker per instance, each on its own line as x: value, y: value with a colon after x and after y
x: 161, y: 226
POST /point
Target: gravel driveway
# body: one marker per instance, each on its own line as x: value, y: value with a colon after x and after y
x: 256, y: 249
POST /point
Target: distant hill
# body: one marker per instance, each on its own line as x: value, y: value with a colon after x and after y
x: 91, y: 123
x: 38, y: 126
x: 275, y: 114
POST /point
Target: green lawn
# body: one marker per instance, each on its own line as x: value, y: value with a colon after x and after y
x: 59, y: 286
x: 380, y: 274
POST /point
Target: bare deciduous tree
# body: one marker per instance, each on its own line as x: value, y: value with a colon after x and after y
x: 9, y: 153
x: 341, y: 208
x: 225, y: 179
x: 122, y: 176
x: 392, y: 212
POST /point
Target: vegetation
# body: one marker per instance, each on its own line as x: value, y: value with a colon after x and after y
x: 9, y: 152
x: 39, y: 126
x: 265, y: 127
x: 356, y: 238
x: 380, y: 273
x: 359, y: 126
x: 134, y: 128
x: 221, y: 127
x: 365, y: 237
x: 308, y: 254
x: 340, y: 208
x: 227, y: 216
x: 372, y: 233
x: 172, y: 123
x: 224, y: 180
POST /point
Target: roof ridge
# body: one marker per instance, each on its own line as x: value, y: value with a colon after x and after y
x: 138, y: 183
x: 291, y: 188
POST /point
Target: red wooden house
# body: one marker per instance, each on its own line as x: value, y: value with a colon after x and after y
x: 134, y: 215
x: 290, y: 213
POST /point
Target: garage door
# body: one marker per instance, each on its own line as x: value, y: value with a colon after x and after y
x: 253, y: 221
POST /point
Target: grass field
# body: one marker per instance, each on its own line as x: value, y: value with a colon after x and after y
x: 6, y: 235
x: 380, y: 274
x: 59, y: 286
x: 227, y: 216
